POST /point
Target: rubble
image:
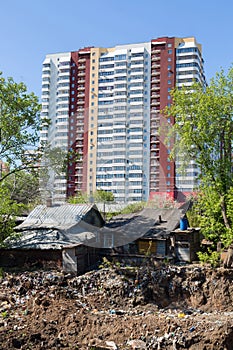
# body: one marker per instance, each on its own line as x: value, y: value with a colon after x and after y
x: 149, y: 307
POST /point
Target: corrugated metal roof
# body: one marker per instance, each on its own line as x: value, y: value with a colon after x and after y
x: 52, y: 228
x: 45, y: 238
x: 61, y: 217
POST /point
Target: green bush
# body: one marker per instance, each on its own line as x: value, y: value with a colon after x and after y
x: 209, y: 257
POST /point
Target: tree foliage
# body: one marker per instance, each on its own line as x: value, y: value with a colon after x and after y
x: 9, y: 209
x: 23, y: 188
x: 79, y: 198
x: 19, y: 126
x: 103, y: 196
x: 203, y: 131
x: 19, y: 135
x: 19, y: 192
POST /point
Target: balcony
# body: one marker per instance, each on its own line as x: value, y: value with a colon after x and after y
x: 155, y: 80
x: 154, y: 155
x: 155, y: 51
x: 81, y: 74
x: 155, y: 58
x: 154, y: 147
x: 79, y: 137
x: 155, y: 88
x: 155, y: 130
x: 154, y: 171
x: 79, y: 165
x: 83, y: 66
x: 155, y: 95
x: 154, y: 140
x: 155, y: 73
x: 82, y: 60
x: 80, y: 109
x: 155, y: 103
x: 81, y: 88
x: 155, y: 66
x: 154, y: 117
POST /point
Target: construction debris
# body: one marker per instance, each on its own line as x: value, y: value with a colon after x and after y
x: 159, y: 307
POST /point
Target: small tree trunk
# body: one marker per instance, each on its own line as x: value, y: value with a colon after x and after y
x: 224, y: 214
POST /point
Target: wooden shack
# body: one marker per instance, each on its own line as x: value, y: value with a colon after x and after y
x: 186, y: 244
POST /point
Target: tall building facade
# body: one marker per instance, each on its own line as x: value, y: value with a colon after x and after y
x: 104, y: 104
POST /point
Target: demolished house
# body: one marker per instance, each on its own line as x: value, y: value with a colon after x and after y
x: 43, y: 237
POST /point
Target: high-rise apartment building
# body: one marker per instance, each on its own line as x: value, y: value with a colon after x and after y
x: 105, y: 103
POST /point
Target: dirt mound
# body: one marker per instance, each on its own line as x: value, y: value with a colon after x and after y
x: 159, y: 307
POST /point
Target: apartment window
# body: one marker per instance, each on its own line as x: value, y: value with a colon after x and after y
x: 93, y: 82
x: 73, y: 78
x: 169, y: 52
x: 93, y: 67
x: 93, y: 75
x: 169, y: 59
x: 168, y: 167
x: 168, y: 89
x: 120, y: 57
x: 169, y: 67
x: 169, y: 82
x: 169, y: 45
x: 169, y: 97
x: 93, y: 61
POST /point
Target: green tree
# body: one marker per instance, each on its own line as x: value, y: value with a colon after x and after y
x: 9, y: 209
x: 23, y: 188
x: 203, y: 131
x: 19, y: 126
x: 79, y: 198
x: 19, y: 135
x: 19, y: 193
x: 103, y: 196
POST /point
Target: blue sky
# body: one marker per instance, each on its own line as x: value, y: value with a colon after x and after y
x: 31, y: 29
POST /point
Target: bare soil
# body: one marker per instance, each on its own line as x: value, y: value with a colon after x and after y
x: 151, y: 307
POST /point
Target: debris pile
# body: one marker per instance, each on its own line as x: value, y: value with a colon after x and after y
x: 151, y: 307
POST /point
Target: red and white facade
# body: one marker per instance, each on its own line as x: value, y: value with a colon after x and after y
x: 105, y: 103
